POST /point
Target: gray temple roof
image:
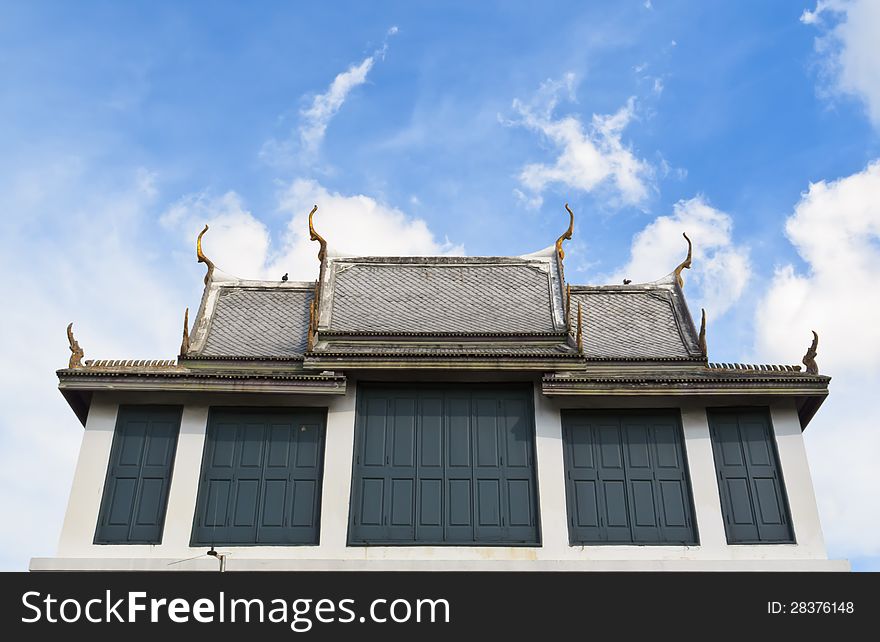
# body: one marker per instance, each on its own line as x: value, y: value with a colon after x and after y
x: 271, y: 320
x: 441, y: 295
x: 642, y: 321
x: 378, y: 315
x: 414, y: 307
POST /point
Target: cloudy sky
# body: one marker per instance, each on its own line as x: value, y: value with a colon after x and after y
x: 460, y: 128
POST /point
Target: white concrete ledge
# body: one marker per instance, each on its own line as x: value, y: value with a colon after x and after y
x: 256, y: 564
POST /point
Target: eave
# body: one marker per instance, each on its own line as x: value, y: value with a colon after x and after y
x: 78, y: 385
x: 808, y: 391
x: 434, y: 361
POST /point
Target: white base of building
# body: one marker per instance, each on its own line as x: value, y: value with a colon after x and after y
x: 255, y: 564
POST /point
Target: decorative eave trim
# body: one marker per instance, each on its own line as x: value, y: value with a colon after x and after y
x: 312, y: 356
x: 574, y: 382
x: 342, y: 334
x: 468, y: 361
x: 78, y: 383
x: 508, y: 363
x: 752, y: 367
x: 203, y: 357
x: 131, y: 363
x: 432, y: 354
x: 68, y: 373
x: 808, y: 391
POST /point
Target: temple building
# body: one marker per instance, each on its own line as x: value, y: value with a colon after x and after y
x: 441, y: 413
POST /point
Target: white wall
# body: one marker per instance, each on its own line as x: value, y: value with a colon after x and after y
x: 76, y: 549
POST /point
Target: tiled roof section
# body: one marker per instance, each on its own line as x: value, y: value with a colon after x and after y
x: 259, y: 322
x: 465, y: 297
x: 636, y: 323
x: 446, y: 349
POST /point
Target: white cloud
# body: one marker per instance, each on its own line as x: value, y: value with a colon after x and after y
x: 847, y: 49
x: 836, y: 230
x: 815, y: 16
x: 239, y: 244
x: 93, y: 265
x: 236, y: 242
x: 352, y: 224
x: 590, y: 157
x: 315, y: 118
x: 721, y: 269
x: 324, y: 106
x: 107, y: 268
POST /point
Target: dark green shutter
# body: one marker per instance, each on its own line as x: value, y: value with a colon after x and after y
x: 626, y: 478
x: 138, y: 475
x: 261, y: 478
x: 749, y: 479
x: 451, y: 465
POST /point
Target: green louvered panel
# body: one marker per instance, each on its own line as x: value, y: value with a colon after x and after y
x: 750, y: 482
x: 626, y: 478
x: 261, y: 478
x: 138, y: 475
x: 444, y: 465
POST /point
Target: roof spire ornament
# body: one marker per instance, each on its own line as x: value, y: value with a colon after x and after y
x: 686, y: 264
x: 702, y: 339
x: 310, y: 338
x: 184, y: 343
x: 202, y: 258
x: 314, y: 236
x: 76, y: 353
x: 565, y: 235
x: 568, y: 306
x: 809, y: 359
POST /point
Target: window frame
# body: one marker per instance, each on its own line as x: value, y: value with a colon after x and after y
x: 175, y: 415
x: 442, y: 387
x: 213, y: 412
x: 773, y: 450
x: 621, y: 413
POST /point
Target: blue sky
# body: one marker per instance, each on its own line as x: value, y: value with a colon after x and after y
x: 437, y: 128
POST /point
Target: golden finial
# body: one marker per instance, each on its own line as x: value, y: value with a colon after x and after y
x: 568, y: 306
x: 702, y: 339
x: 313, y: 235
x: 76, y: 353
x: 184, y: 343
x: 566, y: 235
x: 686, y: 264
x: 310, y: 340
x: 580, y: 333
x: 809, y: 359
x: 202, y: 258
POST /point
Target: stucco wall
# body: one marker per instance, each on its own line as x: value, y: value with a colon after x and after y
x: 76, y: 549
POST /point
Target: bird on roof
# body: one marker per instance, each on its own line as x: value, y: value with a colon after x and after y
x: 627, y: 281
x: 284, y: 278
